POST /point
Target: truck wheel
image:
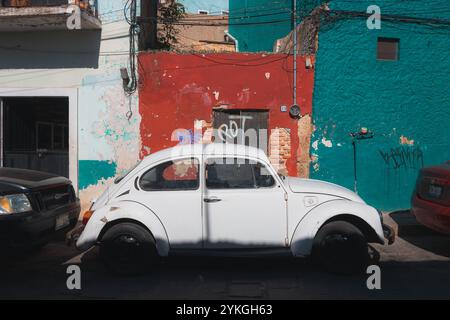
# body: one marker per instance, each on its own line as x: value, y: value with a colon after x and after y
x: 128, y: 249
x: 340, y: 247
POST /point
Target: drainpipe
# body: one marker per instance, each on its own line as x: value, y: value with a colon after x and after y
x: 294, y: 15
x: 236, y: 41
x: 1, y: 133
x: 363, y: 134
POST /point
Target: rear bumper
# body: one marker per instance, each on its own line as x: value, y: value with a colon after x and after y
x: 73, y: 235
x: 34, y: 228
x: 431, y: 215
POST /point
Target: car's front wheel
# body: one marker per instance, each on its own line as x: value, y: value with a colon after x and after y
x: 128, y: 249
x: 340, y: 247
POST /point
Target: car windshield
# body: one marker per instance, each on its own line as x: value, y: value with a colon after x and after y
x: 122, y: 176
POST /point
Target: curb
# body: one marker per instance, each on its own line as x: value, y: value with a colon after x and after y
x: 405, y: 224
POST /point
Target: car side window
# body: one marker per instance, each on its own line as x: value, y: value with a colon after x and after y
x: 172, y: 175
x: 236, y: 173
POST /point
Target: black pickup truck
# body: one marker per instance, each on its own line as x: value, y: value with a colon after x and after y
x: 35, y: 207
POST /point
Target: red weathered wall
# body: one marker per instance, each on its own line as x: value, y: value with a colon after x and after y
x: 177, y: 89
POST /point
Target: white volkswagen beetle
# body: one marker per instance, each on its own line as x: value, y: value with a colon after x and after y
x: 227, y: 199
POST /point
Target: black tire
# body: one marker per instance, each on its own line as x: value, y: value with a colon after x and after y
x: 340, y: 247
x: 128, y: 249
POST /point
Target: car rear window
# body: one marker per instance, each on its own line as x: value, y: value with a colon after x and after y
x: 172, y: 175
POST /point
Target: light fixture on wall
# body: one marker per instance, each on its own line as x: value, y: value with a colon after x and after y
x: 295, y: 111
x: 125, y: 78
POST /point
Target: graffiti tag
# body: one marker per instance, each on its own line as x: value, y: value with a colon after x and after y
x: 232, y: 130
x: 185, y: 136
x: 403, y: 157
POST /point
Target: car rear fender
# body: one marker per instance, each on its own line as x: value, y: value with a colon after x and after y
x: 128, y: 211
x: 307, y: 228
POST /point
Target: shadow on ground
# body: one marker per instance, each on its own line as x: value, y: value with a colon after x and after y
x: 415, y: 267
x: 420, y: 236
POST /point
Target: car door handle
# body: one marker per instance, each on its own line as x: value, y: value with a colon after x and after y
x: 212, y: 200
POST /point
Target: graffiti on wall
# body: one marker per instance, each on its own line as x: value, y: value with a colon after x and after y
x: 231, y: 130
x: 403, y: 157
x: 221, y: 108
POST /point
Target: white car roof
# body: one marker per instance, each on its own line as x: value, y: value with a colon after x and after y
x: 212, y: 149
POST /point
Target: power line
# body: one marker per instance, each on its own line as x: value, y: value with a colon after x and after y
x: 182, y: 23
x: 245, y: 64
x: 236, y: 18
x: 247, y: 11
x: 390, y: 17
x: 214, y: 63
x: 131, y: 5
x: 260, y: 8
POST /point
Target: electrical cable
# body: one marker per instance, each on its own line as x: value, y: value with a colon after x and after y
x: 131, y: 6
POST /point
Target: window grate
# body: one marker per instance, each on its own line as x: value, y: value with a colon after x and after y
x: 388, y: 49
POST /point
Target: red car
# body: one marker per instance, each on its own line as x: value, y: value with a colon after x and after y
x: 431, y: 199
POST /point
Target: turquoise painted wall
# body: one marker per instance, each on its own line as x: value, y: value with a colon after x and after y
x: 109, y: 142
x: 257, y: 24
x: 406, y: 103
x: 93, y: 170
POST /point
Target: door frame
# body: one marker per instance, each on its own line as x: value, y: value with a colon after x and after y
x: 161, y: 217
x: 72, y: 95
x: 239, y: 111
x: 204, y: 190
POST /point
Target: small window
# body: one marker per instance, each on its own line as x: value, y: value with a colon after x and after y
x: 387, y: 49
x: 233, y: 173
x: 203, y: 12
x: 172, y: 175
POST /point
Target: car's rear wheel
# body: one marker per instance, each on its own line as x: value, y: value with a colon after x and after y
x: 128, y: 249
x: 340, y: 247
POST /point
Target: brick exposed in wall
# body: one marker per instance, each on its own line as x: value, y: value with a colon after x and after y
x: 280, y: 149
x: 184, y: 90
x: 305, y: 128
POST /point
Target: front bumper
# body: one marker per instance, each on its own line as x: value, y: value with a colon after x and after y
x: 34, y: 228
x: 389, y: 234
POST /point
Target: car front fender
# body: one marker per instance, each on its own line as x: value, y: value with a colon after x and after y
x: 127, y: 211
x: 309, y: 225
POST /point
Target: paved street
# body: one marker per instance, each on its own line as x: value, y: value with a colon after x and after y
x: 416, y: 266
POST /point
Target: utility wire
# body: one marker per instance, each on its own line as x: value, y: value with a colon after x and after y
x: 391, y: 17
x: 131, y: 6
x: 188, y: 23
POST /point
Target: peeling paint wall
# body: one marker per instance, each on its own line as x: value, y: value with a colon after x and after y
x: 108, y: 142
x: 258, y: 24
x: 405, y: 103
x: 178, y: 94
